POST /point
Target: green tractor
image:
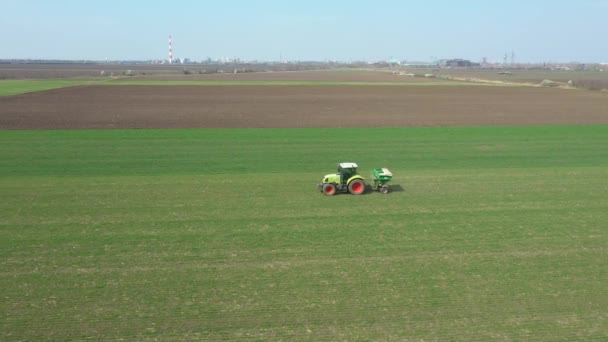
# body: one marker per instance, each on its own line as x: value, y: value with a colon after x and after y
x: 346, y: 180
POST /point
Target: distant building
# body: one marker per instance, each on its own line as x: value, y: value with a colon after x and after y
x: 457, y: 63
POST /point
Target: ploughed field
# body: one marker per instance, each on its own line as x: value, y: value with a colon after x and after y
x: 195, y: 72
x: 241, y: 106
x: 522, y: 76
x: 317, y: 75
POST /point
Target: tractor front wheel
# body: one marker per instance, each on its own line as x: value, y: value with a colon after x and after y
x: 356, y: 187
x: 329, y: 189
x: 384, y: 189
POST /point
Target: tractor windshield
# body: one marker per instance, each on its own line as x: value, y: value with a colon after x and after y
x: 347, y: 172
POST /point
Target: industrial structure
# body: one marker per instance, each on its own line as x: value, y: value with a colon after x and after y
x: 456, y: 63
x: 170, y: 50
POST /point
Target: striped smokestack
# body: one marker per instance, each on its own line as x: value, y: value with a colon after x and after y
x: 170, y: 51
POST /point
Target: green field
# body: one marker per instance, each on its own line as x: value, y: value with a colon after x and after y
x: 492, y: 233
x: 13, y: 87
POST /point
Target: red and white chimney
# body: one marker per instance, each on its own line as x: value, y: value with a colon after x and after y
x: 170, y: 51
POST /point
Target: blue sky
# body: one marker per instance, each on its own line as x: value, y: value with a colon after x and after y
x: 537, y: 30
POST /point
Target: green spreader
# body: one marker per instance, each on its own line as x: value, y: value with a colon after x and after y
x: 381, y: 177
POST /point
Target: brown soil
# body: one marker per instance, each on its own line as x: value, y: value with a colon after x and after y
x: 151, y: 72
x: 298, y: 106
x: 305, y: 76
x: 73, y: 70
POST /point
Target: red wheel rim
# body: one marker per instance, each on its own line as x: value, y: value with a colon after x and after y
x: 330, y: 190
x: 357, y: 187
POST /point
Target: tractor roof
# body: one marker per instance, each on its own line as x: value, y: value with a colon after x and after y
x: 348, y: 165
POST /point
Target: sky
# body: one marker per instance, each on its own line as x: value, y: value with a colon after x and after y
x: 270, y: 30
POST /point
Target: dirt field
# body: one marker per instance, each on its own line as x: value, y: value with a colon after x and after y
x: 595, y: 80
x: 197, y: 73
x: 298, y: 106
x: 256, y: 72
x: 75, y: 70
x: 524, y: 76
x: 306, y: 76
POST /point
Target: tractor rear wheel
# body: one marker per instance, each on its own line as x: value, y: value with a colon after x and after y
x: 329, y: 189
x: 356, y: 187
x: 384, y: 189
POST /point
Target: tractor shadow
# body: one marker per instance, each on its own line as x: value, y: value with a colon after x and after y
x: 397, y: 188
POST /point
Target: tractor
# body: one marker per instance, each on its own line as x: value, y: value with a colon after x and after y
x: 346, y: 180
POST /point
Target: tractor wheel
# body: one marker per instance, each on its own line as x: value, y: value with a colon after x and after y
x: 329, y: 189
x: 384, y: 189
x: 356, y: 187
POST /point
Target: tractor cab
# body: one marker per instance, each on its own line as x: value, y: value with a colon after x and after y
x: 346, y: 171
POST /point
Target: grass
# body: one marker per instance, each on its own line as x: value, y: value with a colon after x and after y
x: 13, y: 87
x: 492, y: 233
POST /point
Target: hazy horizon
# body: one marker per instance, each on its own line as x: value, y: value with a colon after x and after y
x: 536, y: 31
